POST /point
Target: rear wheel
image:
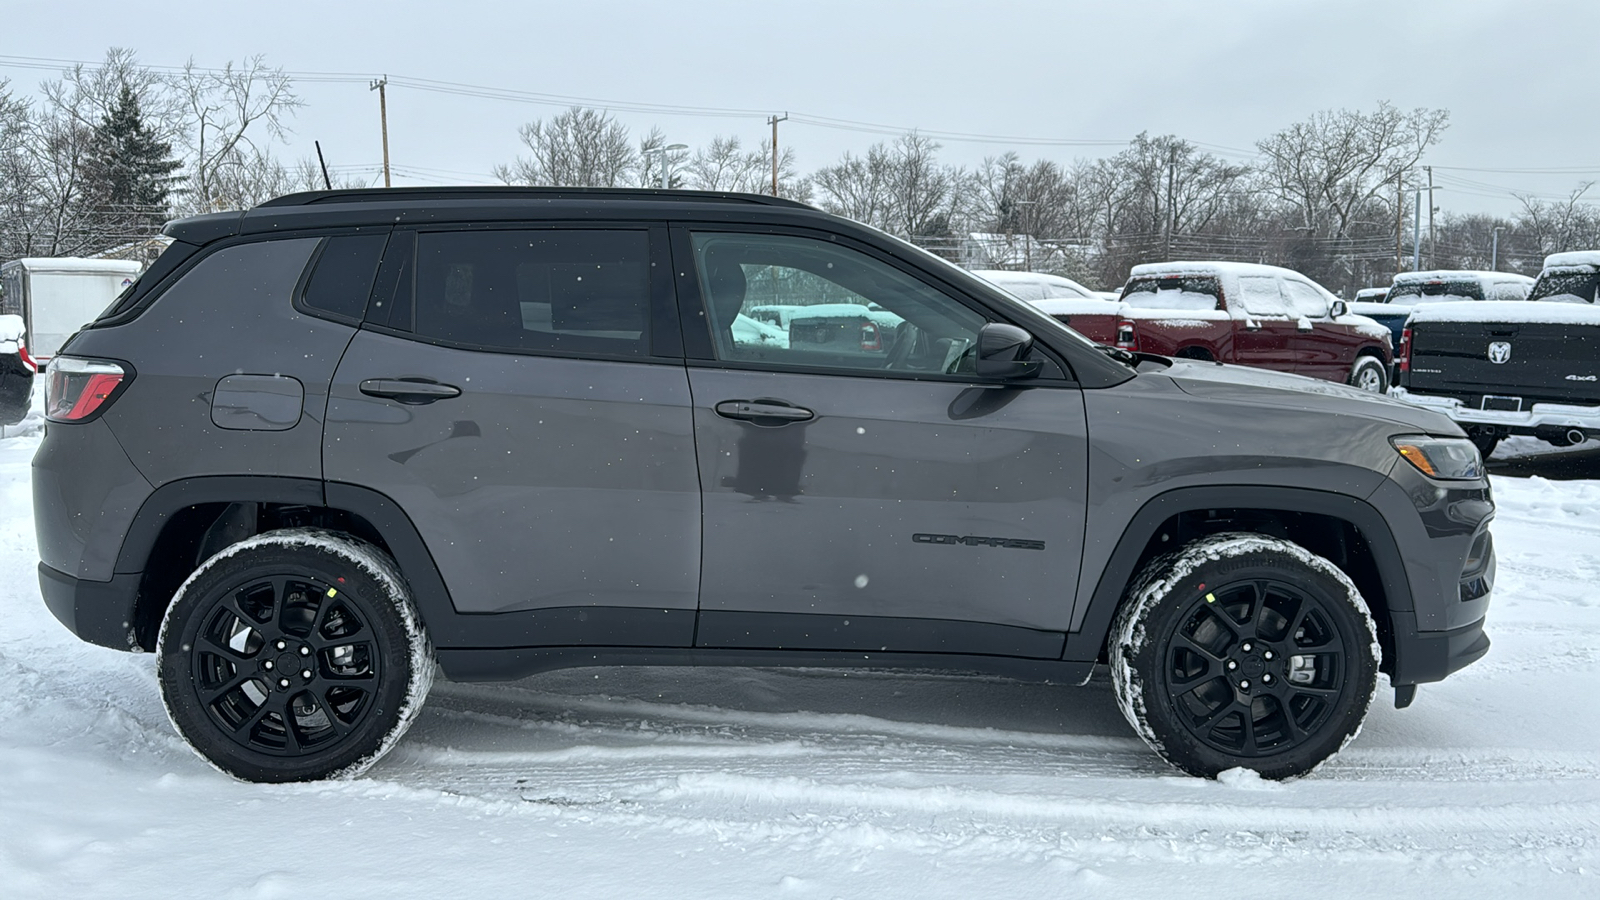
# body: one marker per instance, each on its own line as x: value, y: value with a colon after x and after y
x: 1370, y: 374
x: 1242, y: 650
x: 292, y: 656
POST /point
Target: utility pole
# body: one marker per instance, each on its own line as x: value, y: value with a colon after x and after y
x: 773, y: 121
x: 1170, y: 223
x: 1416, y: 233
x: 1433, y: 240
x: 1494, y: 251
x: 378, y: 84
x: 1399, y: 222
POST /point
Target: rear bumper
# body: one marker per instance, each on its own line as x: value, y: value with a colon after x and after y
x: 100, y: 612
x: 1540, y: 415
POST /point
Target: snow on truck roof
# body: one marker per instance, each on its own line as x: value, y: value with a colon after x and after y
x: 1573, y: 258
x: 1210, y: 268
x: 1457, y: 275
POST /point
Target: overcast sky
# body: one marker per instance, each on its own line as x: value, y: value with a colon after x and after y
x: 1519, y: 77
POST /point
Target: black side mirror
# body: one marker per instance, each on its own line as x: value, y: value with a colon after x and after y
x: 1002, y: 350
x: 1337, y: 309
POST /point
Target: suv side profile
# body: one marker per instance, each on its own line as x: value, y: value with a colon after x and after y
x: 332, y: 443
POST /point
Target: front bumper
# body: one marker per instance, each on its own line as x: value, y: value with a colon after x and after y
x: 1540, y: 415
x: 1428, y: 656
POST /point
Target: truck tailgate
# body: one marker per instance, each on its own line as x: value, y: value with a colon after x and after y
x: 1539, y: 362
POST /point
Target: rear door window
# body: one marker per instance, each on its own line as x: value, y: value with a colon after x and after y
x: 569, y: 291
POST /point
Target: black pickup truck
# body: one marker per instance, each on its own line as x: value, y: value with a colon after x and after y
x: 1503, y: 368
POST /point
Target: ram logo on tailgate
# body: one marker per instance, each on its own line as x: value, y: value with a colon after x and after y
x: 1499, y: 351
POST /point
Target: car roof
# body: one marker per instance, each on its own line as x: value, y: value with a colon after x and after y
x: 424, y: 205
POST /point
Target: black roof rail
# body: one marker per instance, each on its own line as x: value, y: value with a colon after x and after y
x: 484, y: 192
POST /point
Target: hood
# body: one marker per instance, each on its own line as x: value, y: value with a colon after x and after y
x: 1277, y: 390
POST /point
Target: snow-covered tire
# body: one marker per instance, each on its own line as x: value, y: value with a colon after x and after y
x: 1370, y: 374
x: 1242, y: 650
x: 294, y: 655
x: 16, y: 396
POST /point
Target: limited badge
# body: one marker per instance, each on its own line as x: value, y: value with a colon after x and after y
x: 1499, y: 351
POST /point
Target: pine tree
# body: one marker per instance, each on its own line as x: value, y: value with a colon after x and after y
x: 128, y: 174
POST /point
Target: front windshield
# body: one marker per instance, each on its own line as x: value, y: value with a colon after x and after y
x: 1566, y: 287
x: 1413, y: 293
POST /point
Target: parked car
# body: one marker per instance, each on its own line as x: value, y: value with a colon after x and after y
x: 506, y: 430
x: 17, y: 369
x: 1033, y: 286
x: 1253, y: 315
x: 1090, y: 313
x: 1369, y: 295
x: 1513, y: 367
x: 1413, y: 289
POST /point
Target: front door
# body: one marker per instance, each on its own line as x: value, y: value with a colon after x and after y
x: 862, y: 489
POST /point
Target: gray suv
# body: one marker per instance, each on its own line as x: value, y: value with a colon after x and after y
x: 332, y: 442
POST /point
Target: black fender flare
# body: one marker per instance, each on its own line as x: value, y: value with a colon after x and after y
x: 1087, y: 641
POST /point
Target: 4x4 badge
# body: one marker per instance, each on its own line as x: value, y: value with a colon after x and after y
x: 1499, y: 351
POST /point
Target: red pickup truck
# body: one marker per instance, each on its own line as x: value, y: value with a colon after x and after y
x: 1241, y: 313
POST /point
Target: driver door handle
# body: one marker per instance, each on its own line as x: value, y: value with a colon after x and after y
x: 763, y: 409
x: 407, y: 391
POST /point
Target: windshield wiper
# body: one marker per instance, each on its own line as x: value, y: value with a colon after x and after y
x: 1126, y: 357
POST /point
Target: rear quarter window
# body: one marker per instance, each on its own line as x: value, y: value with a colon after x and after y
x: 341, y: 279
x: 1174, y: 292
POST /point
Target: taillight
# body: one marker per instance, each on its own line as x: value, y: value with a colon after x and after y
x: 78, y: 388
x: 22, y: 354
x: 1126, y: 338
x: 1405, y: 350
x: 871, y: 337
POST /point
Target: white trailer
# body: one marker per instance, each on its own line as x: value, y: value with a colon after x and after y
x: 57, y: 296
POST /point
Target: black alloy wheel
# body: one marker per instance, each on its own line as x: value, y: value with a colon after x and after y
x: 1242, y: 650
x: 283, y: 666
x: 293, y: 656
x: 1254, y: 668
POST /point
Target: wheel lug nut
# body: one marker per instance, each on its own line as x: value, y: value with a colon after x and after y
x: 306, y: 651
x: 1232, y: 665
x: 1267, y: 655
x: 1245, y: 648
x: 267, y: 664
x: 1244, y: 685
x: 1266, y: 679
x: 282, y: 645
x: 283, y: 682
x: 306, y: 674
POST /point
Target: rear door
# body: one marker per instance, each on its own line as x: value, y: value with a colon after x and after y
x: 519, y: 394
x: 878, y: 499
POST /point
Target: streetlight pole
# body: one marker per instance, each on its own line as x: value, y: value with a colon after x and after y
x: 666, y: 165
x: 1027, y: 233
x: 1494, y: 252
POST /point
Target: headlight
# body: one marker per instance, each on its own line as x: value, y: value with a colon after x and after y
x: 1445, y: 458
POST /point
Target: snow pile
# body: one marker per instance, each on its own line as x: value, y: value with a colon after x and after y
x: 1573, y: 259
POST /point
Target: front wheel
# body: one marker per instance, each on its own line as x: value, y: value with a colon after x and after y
x: 294, y: 655
x: 1242, y: 650
x: 1370, y: 374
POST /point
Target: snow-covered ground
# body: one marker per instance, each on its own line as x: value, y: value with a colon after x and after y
x: 727, y: 783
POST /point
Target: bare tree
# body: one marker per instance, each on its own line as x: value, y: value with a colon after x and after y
x: 1330, y: 167
x: 859, y: 187
x: 229, y: 118
x: 579, y: 148
x: 1547, y: 227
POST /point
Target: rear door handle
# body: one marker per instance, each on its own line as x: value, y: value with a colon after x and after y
x: 404, y: 390
x: 776, y: 411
